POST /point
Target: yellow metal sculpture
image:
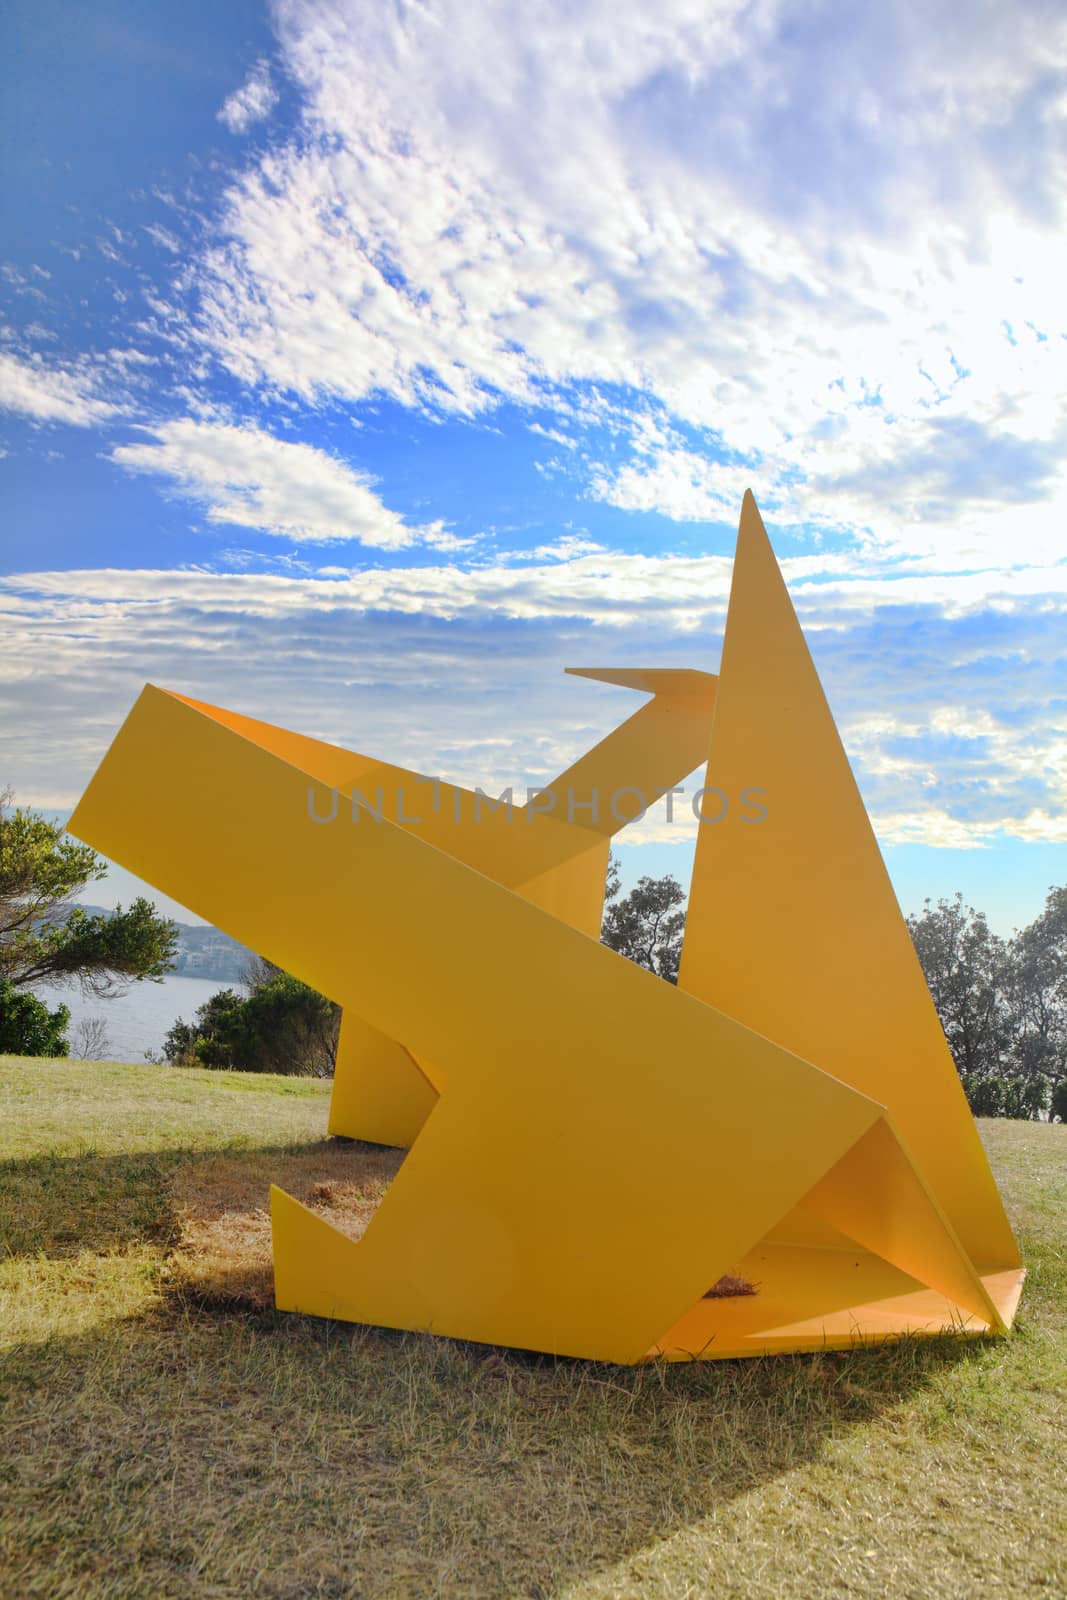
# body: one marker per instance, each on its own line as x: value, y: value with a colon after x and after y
x: 592, y: 1148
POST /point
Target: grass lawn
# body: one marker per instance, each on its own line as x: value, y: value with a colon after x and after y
x: 157, y: 1440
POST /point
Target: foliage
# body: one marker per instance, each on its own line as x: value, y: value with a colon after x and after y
x: 207, y: 1040
x: 647, y: 924
x: 283, y: 1026
x: 27, y: 1027
x: 45, y: 940
x: 989, y: 1095
x: 966, y: 969
x: 101, y: 950
x: 1058, y: 1104
x: 1038, y: 994
x: 1002, y: 1003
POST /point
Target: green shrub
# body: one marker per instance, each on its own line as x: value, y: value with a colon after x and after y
x: 1021, y: 1098
x: 283, y: 1026
x: 27, y: 1027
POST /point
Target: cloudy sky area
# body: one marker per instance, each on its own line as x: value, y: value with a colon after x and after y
x: 364, y: 364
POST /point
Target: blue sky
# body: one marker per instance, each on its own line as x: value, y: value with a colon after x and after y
x: 363, y: 365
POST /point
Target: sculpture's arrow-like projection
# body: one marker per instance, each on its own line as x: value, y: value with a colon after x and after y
x: 592, y: 1147
x: 554, y: 851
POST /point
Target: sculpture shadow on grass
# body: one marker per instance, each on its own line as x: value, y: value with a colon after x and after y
x: 57, y: 1204
x: 304, y: 1457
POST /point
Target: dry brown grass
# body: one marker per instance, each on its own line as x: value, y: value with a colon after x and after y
x: 729, y: 1286
x: 221, y: 1207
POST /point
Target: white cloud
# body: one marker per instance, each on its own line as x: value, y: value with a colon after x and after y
x: 679, y: 594
x: 832, y: 237
x: 247, y: 477
x: 606, y: 588
x: 565, y: 548
x: 163, y: 237
x: 940, y: 831
x: 254, y: 100
x: 48, y: 392
x: 953, y: 745
x: 944, y: 493
x: 678, y: 483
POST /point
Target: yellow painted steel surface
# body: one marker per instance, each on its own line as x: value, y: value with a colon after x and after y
x: 592, y: 1148
x: 793, y: 925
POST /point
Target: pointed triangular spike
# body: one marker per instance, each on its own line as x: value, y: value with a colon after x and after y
x: 793, y: 926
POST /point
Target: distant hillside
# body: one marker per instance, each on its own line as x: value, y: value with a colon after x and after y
x: 204, y: 952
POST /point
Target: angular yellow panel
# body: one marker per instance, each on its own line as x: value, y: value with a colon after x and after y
x: 876, y: 1196
x: 380, y: 1092
x: 592, y: 1148
x: 793, y: 926
x: 557, y: 858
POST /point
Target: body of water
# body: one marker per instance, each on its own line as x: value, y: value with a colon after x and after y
x: 138, y: 1020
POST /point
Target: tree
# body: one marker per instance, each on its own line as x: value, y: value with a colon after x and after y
x: 1058, y: 1108
x: 207, y: 1041
x: 282, y: 1026
x: 44, y: 939
x: 613, y: 881
x: 647, y: 925
x: 1003, y: 1004
x: 258, y: 971
x: 27, y: 1027
x: 290, y: 1027
x: 1038, y: 996
x: 90, y: 1040
x: 966, y: 968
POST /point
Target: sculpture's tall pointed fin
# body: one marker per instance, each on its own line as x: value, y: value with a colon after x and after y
x: 793, y: 926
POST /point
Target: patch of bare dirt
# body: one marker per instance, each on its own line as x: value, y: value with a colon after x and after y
x: 222, y: 1206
